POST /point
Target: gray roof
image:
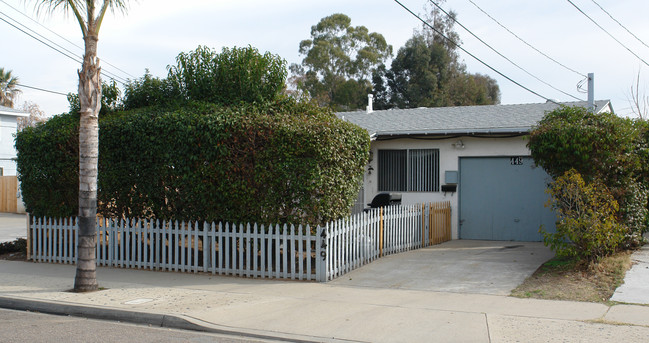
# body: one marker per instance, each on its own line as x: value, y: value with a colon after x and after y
x: 12, y: 112
x: 464, y: 120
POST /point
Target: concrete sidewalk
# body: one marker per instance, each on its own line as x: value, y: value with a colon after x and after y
x: 636, y: 281
x: 304, y: 311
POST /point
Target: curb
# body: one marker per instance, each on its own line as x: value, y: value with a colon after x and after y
x: 145, y: 318
x: 134, y: 317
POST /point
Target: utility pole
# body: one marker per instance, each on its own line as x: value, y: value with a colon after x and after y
x: 591, y: 92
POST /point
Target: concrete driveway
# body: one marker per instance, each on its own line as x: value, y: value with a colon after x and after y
x: 12, y: 226
x: 462, y: 266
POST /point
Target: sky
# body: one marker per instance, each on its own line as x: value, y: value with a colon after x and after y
x: 153, y: 32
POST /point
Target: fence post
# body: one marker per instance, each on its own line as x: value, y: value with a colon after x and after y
x: 29, y: 239
x: 423, y: 225
x: 448, y: 221
x: 431, y: 223
x: 381, y: 232
x: 320, y: 262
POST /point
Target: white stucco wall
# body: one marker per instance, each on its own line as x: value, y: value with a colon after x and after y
x: 8, y: 127
x: 449, y: 158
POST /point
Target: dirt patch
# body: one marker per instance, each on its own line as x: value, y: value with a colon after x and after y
x: 14, y: 256
x: 565, y: 279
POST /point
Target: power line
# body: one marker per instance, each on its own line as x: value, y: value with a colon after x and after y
x: 41, y: 89
x: 75, y: 57
x: 38, y: 34
x: 526, y: 43
x: 501, y: 55
x: 627, y: 30
x: 470, y: 54
x: 27, y: 33
x: 45, y: 27
x: 610, y: 35
x: 60, y: 36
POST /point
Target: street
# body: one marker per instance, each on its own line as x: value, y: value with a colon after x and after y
x: 20, y: 326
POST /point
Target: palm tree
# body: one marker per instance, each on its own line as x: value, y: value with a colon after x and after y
x: 8, y: 90
x: 85, y: 11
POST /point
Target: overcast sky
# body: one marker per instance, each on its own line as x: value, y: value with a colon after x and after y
x: 153, y: 32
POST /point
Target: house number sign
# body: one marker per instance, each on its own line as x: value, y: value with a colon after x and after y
x: 516, y: 161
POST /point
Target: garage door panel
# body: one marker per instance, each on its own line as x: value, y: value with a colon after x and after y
x: 502, y: 198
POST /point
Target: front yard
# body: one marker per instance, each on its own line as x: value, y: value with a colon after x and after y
x: 564, y: 279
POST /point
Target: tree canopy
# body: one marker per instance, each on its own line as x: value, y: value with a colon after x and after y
x: 338, y: 63
x: 232, y: 76
x: 428, y: 72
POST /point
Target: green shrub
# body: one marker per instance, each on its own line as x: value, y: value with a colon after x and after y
x: 150, y: 91
x: 599, y: 146
x: 48, y: 166
x: 221, y: 143
x: 283, y: 161
x: 237, y: 75
x: 19, y: 245
x: 230, y: 77
x: 634, y: 213
x: 587, y: 227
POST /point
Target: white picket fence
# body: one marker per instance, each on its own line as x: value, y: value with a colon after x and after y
x: 258, y: 251
x: 362, y: 238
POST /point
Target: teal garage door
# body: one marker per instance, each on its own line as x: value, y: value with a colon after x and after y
x: 503, y: 198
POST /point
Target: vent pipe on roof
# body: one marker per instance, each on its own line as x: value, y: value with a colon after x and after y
x: 370, y: 98
x: 591, y: 92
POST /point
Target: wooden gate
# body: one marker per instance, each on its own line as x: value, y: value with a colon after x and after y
x: 8, y: 190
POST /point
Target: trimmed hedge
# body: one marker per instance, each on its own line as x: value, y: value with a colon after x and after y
x: 284, y: 161
x: 48, y: 166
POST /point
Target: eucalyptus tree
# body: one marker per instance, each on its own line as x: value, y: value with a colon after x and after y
x: 338, y: 63
x: 90, y: 15
x: 8, y: 90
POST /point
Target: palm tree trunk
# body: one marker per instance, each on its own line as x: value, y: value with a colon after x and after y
x: 90, y: 100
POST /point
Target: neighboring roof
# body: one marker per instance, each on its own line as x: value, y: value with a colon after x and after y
x: 12, y: 112
x: 464, y: 120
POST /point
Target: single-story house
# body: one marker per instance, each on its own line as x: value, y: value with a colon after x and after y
x: 476, y: 157
x: 8, y: 127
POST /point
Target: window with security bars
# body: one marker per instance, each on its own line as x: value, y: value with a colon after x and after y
x: 409, y: 170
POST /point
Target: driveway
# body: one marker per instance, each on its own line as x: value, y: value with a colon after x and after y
x: 462, y: 266
x: 12, y: 226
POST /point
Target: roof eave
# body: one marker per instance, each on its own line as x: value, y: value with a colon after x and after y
x: 465, y: 132
x: 14, y: 114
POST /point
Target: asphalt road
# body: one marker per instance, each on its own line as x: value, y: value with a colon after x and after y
x: 19, y: 326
